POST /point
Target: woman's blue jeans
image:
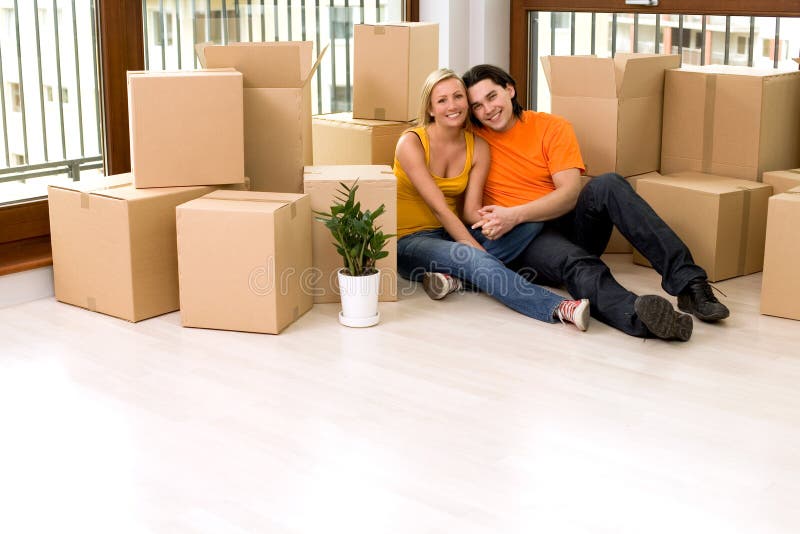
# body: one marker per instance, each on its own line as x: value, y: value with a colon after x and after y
x: 435, y: 251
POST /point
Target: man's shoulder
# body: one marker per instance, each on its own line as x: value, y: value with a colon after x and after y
x: 542, y: 118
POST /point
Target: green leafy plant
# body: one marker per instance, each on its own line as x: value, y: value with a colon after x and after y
x: 357, y: 239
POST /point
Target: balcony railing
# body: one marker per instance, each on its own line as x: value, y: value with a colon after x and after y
x: 49, y: 105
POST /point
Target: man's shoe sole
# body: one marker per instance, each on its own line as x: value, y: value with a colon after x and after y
x: 709, y: 318
x: 661, y: 319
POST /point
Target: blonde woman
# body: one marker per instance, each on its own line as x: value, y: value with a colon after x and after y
x: 439, y: 164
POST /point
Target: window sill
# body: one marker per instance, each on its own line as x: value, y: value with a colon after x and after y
x: 25, y: 254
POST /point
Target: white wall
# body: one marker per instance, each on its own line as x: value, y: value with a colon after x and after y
x: 470, y: 31
x: 18, y: 288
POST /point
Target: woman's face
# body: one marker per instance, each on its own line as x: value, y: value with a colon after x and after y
x: 449, y: 105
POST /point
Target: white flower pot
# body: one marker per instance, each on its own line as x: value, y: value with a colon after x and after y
x: 359, y: 296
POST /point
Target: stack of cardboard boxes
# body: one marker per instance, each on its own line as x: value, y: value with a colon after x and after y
x: 359, y: 146
x: 723, y: 129
x: 183, y: 231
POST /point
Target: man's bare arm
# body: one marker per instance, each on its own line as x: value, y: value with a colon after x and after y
x: 497, y: 220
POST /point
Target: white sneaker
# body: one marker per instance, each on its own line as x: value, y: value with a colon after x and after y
x: 575, y: 312
x: 439, y: 285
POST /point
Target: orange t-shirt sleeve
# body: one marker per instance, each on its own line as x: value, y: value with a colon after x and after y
x: 561, y: 148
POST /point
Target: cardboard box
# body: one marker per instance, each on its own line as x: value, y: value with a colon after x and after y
x: 277, y: 107
x: 339, y: 139
x: 114, y: 246
x: 614, y: 106
x: 780, y: 289
x: 376, y: 185
x: 782, y: 181
x: 186, y: 128
x: 390, y: 64
x: 243, y: 260
x: 731, y: 121
x: 722, y: 220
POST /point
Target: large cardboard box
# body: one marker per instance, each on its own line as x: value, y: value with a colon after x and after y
x: 277, y: 107
x: 339, y: 139
x: 731, y: 121
x: 114, y: 248
x: 782, y: 181
x: 244, y: 259
x: 376, y: 185
x: 186, y: 128
x: 614, y: 106
x: 722, y: 220
x: 780, y: 289
x: 390, y: 64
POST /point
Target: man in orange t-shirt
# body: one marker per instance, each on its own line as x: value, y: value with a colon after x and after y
x: 535, y: 175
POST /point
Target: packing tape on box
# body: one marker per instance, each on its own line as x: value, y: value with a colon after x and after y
x: 745, y: 226
x: 85, y: 194
x: 91, y: 303
x: 378, y: 30
x: 380, y: 114
x: 708, y: 123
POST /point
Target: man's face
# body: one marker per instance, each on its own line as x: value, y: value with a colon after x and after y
x: 491, y: 104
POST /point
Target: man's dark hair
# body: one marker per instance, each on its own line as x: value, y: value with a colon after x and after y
x: 497, y: 75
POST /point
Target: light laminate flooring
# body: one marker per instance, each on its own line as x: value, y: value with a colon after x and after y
x: 458, y: 416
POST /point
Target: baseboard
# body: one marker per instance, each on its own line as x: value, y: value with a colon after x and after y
x: 25, y: 286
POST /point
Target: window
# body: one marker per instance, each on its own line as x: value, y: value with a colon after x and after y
x: 766, y: 49
x: 741, y: 45
x: 48, y: 92
x: 161, y: 24
x: 215, y: 25
x: 16, y: 98
x: 64, y: 95
x: 7, y: 22
x: 698, y: 40
x: 17, y: 159
x: 342, y: 22
x: 562, y: 20
x: 339, y: 100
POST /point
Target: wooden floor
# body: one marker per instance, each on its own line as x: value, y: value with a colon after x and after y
x: 455, y: 417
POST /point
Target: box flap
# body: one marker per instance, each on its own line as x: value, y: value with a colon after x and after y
x: 642, y: 74
x: 581, y: 76
x: 348, y: 173
x: 98, y: 185
x: 278, y: 64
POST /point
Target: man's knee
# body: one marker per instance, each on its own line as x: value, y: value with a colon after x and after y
x: 608, y: 181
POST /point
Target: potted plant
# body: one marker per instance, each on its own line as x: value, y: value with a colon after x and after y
x: 360, y: 243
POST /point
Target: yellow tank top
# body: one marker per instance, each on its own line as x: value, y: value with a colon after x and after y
x: 413, y: 214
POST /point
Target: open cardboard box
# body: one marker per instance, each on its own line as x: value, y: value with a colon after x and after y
x: 277, y: 108
x: 614, y: 105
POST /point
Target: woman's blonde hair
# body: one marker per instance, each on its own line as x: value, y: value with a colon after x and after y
x: 424, y: 116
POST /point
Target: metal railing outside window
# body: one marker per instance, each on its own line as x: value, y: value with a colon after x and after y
x: 49, y: 104
x: 763, y: 42
x: 227, y: 21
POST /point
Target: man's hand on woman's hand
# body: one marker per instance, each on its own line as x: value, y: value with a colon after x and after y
x: 496, y: 221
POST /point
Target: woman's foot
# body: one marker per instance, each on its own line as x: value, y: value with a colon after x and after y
x: 439, y: 285
x: 575, y: 312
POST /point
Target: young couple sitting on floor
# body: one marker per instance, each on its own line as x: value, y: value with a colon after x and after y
x: 490, y: 195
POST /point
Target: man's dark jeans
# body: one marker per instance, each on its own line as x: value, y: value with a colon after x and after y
x: 567, y: 252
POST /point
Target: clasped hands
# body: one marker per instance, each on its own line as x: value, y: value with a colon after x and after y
x: 496, y: 221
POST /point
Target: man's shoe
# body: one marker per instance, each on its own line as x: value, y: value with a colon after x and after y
x: 575, y: 312
x: 439, y: 285
x: 661, y: 319
x: 698, y: 299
